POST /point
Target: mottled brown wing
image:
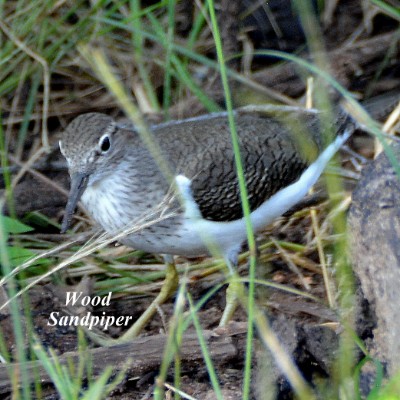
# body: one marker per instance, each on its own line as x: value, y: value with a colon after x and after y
x: 271, y: 160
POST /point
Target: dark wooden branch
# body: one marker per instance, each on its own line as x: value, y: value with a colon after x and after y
x: 139, y: 356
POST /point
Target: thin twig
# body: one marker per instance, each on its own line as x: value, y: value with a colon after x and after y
x: 26, y: 166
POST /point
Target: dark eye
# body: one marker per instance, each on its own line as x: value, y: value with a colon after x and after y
x: 104, y: 144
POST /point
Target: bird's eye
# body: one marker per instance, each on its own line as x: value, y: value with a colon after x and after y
x: 104, y: 144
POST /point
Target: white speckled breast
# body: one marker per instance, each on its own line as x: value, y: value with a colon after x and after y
x: 158, y: 229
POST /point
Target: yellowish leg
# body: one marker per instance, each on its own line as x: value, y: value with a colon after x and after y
x: 168, y: 288
x: 234, y: 291
x: 232, y: 296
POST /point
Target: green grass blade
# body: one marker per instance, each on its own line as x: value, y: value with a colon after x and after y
x: 138, y: 47
x: 167, y: 95
x: 388, y: 9
x: 206, y: 354
x: 243, y: 197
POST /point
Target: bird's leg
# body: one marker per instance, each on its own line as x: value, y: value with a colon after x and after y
x: 234, y: 290
x: 192, y: 211
x: 231, y: 301
x: 168, y: 288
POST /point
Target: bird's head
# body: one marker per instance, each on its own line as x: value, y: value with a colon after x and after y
x: 88, y: 143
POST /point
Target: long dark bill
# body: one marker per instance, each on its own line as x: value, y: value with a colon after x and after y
x: 78, y: 185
